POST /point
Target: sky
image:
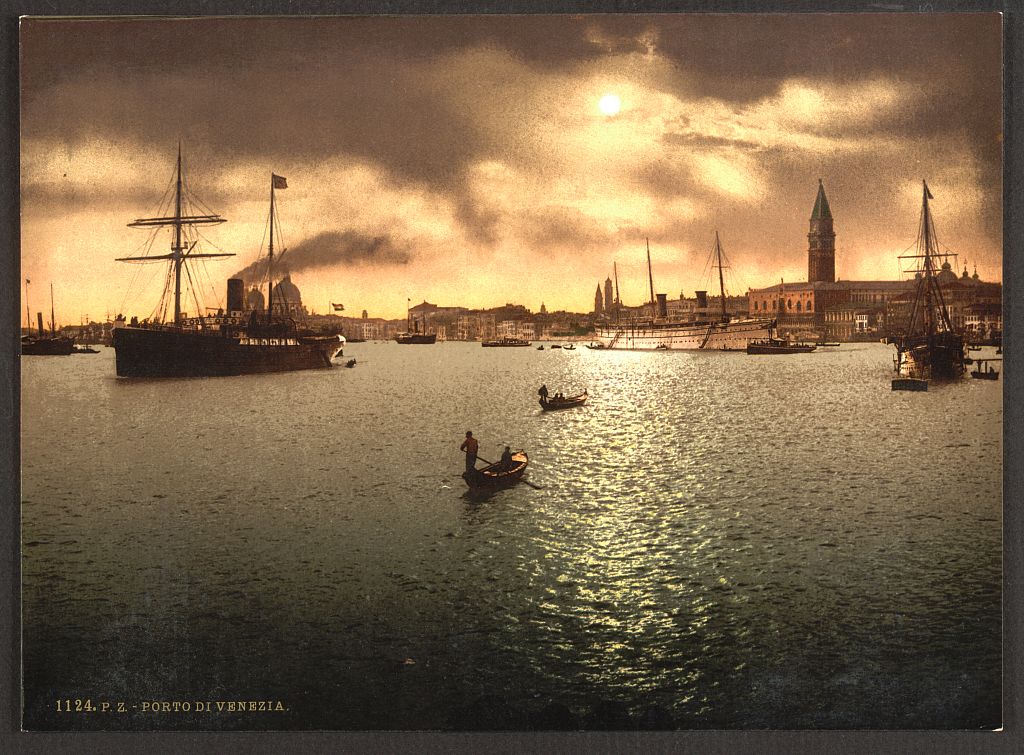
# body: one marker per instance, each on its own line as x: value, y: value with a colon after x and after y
x: 479, y: 160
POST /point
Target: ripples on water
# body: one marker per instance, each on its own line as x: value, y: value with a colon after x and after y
x: 719, y: 541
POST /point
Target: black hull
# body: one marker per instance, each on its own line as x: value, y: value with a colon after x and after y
x: 51, y: 347
x: 142, y: 352
x: 778, y: 346
x: 422, y: 338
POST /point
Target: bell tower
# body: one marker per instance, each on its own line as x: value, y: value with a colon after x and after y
x: 821, y: 249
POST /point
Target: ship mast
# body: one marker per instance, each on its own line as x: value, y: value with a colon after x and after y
x: 177, y: 243
x: 650, y: 278
x: 270, y: 256
x: 928, y: 284
x: 28, y: 311
x: 721, y: 280
x: 179, y: 251
x: 53, y: 323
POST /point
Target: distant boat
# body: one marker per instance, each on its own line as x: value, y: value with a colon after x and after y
x: 496, y: 476
x: 42, y: 344
x: 413, y: 334
x: 778, y: 346
x: 570, y: 347
x: 541, y: 347
x: 929, y: 348
x: 555, y: 346
x: 826, y: 344
x: 985, y: 370
x: 567, y: 402
x: 506, y: 341
x: 703, y: 332
x: 232, y: 342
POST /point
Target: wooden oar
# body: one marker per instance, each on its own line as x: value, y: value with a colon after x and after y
x: 521, y: 479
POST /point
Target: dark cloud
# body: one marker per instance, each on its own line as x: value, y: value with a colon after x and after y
x: 329, y: 249
x: 393, y: 94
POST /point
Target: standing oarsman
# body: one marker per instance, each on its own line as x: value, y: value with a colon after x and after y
x: 470, y: 445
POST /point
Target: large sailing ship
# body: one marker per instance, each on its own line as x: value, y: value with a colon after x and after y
x: 703, y: 331
x: 234, y: 341
x: 928, y: 348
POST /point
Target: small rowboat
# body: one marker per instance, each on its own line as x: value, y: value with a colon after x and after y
x: 496, y: 476
x: 568, y: 402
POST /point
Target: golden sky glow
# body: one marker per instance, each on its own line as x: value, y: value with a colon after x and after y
x: 493, y: 165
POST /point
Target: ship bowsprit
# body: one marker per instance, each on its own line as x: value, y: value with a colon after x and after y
x: 176, y: 352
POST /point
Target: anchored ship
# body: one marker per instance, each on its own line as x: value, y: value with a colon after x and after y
x: 703, y: 332
x: 42, y: 344
x: 412, y: 333
x: 929, y: 348
x: 233, y: 341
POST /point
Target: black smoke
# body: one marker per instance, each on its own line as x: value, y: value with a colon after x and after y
x: 331, y: 248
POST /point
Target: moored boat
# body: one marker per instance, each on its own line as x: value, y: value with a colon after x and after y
x: 413, y: 333
x: 779, y: 346
x: 928, y: 348
x: 705, y: 332
x: 506, y: 341
x: 42, y: 344
x: 496, y: 476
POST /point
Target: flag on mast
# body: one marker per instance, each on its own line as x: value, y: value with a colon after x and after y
x: 280, y: 182
x: 338, y: 307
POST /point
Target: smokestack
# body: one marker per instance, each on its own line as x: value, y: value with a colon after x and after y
x: 662, y: 305
x: 236, y: 295
x: 39, y: 319
x: 702, y: 299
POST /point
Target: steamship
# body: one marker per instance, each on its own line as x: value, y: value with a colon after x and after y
x: 718, y: 332
x: 232, y: 342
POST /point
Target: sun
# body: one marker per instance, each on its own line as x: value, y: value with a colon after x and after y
x: 610, y: 104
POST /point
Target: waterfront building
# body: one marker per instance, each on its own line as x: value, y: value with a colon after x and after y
x: 598, y: 302
x: 609, y: 298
